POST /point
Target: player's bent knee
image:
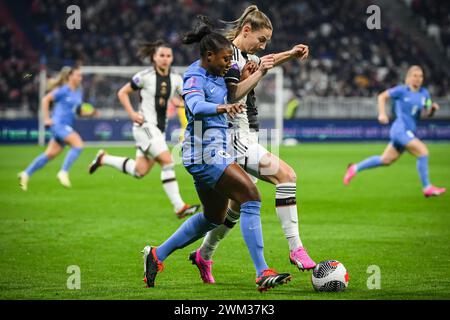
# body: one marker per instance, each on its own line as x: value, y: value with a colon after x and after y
x: 252, y: 194
x: 291, y: 176
x: 51, y: 156
x: 387, y: 161
x: 286, y: 175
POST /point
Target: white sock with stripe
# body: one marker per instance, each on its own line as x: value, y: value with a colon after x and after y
x: 170, y: 186
x: 213, y: 237
x: 126, y: 165
x: 286, y: 207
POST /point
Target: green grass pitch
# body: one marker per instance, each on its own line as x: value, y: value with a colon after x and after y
x: 103, y: 222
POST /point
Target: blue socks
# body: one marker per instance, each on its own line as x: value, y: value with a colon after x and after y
x: 37, y: 163
x: 191, y: 230
x: 371, y: 162
x: 422, y: 167
x: 252, y: 232
x: 73, y: 154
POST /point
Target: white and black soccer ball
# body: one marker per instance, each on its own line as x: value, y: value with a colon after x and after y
x: 329, y: 276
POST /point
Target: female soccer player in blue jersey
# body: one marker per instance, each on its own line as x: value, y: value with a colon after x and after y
x: 67, y: 97
x: 217, y: 176
x: 410, y: 99
x: 250, y: 34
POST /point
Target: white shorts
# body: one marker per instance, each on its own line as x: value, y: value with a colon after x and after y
x: 150, y: 141
x: 248, y: 151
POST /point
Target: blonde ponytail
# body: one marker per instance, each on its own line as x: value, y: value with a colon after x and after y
x: 257, y: 20
x: 60, y: 79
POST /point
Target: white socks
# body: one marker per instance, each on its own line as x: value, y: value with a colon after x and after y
x: 286, y: 206
x: 126, y: 165
x: 213, y: 237
x: 170, y: 186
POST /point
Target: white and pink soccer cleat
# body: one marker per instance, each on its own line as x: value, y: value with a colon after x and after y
x: 301, y: 259
x: 204, y: 266
x: 351, y: 172
x: 433, y: 191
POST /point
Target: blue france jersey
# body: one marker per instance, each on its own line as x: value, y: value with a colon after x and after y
x: 202, y: 93
x: 66, y: 103
x: 408, y: 106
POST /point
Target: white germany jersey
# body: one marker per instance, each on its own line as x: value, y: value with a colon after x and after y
x: 155, y: 92
x: 249, y: 118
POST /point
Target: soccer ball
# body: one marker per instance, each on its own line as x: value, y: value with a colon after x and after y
x: 329, y: 276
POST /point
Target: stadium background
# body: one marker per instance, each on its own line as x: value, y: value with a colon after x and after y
x: 330, y: 97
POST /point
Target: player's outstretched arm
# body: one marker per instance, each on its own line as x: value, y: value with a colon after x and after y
x: 434, y: 107
x: 299, y: 51
x: 382, y: 99
x: 124, y: 98
x: 236, y: 91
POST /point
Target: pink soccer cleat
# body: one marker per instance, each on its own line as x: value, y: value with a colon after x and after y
x: 433, y: 191
x: 351, y: 172
x: 300, y: 258
x: 204, y: 266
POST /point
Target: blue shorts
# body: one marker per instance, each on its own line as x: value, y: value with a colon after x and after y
x: 206, y: 175
x: 60, y: 132
x: 399, y: 139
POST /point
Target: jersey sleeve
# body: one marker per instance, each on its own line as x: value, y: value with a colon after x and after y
x: 396, y: 92
x: 179, y: 84
x: 194, y: 96
x: 137, y: 82
x: 233, y: 75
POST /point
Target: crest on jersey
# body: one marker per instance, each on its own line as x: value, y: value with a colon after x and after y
x: 137, y: 80
x: 223, y: 154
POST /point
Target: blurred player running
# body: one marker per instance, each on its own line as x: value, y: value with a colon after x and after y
x: 67, y: 97
x: 411, y: 100
x: 250, y: 34
x: 157, y: 86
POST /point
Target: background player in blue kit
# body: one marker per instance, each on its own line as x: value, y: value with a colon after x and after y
x: 217, y: 176
x: 410, y: 100
x: 67, y: 98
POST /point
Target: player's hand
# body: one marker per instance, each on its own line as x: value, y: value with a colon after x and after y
x: 48, y: 122
x: 434, y: 107
x: 266, y: 63
x: 231, y: 109
x: 300, y: 51
x: 137, y: 118
x: 249, y: 68
x: 383, y: 119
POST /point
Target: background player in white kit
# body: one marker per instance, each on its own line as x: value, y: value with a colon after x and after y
x: 156, y: 85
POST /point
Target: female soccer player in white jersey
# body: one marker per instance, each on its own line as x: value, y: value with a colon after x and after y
x: 66, y: 95
x: 250, y: 34
x: 411, y: 100
x: 157, y: 86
